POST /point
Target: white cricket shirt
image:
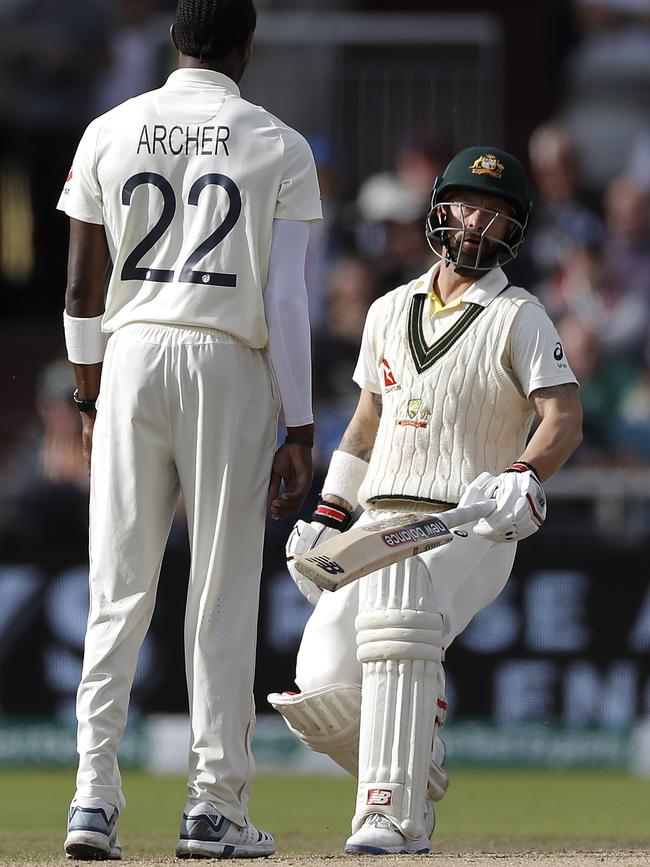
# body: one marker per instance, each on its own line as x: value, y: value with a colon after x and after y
x: 454, y: 388
x: 535, y: 352
x: 187, y: 181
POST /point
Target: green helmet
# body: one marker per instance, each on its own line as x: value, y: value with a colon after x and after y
x: 484, y: 170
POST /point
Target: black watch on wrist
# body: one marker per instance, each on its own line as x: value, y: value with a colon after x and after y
x: 81, y: 404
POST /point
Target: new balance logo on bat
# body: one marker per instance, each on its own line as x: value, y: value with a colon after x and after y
x: 416, y: 533
x: 327, y: 565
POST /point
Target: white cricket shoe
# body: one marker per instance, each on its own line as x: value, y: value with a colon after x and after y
x: 92, y: 831
x: 379, y: 836
x: 206, y: 833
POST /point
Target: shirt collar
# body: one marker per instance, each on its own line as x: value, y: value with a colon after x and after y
x: 191, y: 75
x: 482, y: 292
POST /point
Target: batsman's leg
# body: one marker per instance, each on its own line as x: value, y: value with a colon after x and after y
x: 324, y: 715
x: 399, y: 644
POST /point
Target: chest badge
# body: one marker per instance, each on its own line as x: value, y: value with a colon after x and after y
x: 413, y: 413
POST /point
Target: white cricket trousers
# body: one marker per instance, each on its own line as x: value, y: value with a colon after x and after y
x: 193, y: 411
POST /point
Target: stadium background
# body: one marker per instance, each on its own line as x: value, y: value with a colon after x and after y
x: 556, y: 671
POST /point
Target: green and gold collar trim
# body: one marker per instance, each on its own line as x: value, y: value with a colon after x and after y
x: 423, y: 355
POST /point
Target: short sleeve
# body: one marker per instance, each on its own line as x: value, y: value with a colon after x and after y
x: 82, y: 196
x: 299, y: 194
x: 537, y: 355
x: 367, y: 373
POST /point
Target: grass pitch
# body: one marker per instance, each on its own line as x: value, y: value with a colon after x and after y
x: 484, y: 811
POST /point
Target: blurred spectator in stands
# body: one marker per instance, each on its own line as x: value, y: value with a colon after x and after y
x: 51, y: 52
x: 604, y: 302
x: 604, y: 383
x: 558, y: 214
x: 607, y: 83
x: 626, y: 240
x: 419, y: 162
x: 638, y: 166
x: 351, y: 288
x: 140, y: 54
x: 390, y: 229
x: 45, y: 482
x: 326, y: 237
x: 632, y: 427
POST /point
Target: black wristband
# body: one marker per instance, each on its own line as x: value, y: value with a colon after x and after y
x: 522, y: 467
x: 299, y: 441
x: 332, y: 515
x: 82, y: 404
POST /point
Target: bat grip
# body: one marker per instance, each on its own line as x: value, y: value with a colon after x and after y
x: 466, y: 514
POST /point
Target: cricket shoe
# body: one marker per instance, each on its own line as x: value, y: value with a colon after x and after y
x: 206, y: 833
x: 379, y: 836
x: 92, y: 831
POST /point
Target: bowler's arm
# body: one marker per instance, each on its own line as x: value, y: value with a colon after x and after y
x: 359, y: 437
x: 88, y: 260
x: 559, y: 432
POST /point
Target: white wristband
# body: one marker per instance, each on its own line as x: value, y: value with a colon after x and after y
x: 344, y: 477
x: 84, y: 339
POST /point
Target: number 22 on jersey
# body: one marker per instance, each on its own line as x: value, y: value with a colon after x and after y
x: 132, y: 270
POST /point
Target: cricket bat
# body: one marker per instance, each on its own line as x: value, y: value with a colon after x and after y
x: 362, y: 550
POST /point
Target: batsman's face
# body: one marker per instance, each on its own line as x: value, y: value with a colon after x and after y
x: 475, y: 223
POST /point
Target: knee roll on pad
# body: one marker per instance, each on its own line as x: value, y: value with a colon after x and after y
x: 392, y: 634
x: 326, y: 720
x: 397, y: 619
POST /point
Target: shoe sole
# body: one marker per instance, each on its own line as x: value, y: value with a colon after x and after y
x: 203, y: 849
x: 89, y: 846
x: 390, y: 850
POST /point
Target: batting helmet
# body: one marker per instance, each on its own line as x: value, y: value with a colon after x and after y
x: 494, y: 173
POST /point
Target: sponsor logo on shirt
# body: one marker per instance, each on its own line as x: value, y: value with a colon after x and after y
x: 390, y: 383
x: 558, y: 355
x: 66, y: 188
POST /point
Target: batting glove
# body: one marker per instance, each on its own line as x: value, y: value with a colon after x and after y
x: 328, y: 520
x: 521, y: 505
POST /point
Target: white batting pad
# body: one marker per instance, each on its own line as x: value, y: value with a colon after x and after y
x: 326, y: 720
x: 399, y: 643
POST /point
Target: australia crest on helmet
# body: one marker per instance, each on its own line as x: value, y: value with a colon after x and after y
x: 488, y: 164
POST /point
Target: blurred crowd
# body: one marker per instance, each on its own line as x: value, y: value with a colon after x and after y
x: 587, y: 256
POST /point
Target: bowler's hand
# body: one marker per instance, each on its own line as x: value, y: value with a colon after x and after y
x: 292, y: 465
x: 87, y: 426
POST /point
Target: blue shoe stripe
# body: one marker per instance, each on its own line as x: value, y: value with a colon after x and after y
x: 204, y: 827
x: 91, y: 819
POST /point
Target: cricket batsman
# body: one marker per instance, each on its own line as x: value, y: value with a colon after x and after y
x: 454, y: 367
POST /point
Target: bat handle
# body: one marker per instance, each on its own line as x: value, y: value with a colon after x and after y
x: 466, y: 514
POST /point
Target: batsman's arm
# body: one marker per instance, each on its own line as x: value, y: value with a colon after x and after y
x: 358, y: 439
x: 340, y: 492
x: 559, y: 432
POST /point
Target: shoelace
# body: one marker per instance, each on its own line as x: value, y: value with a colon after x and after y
x: 377, y: 820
